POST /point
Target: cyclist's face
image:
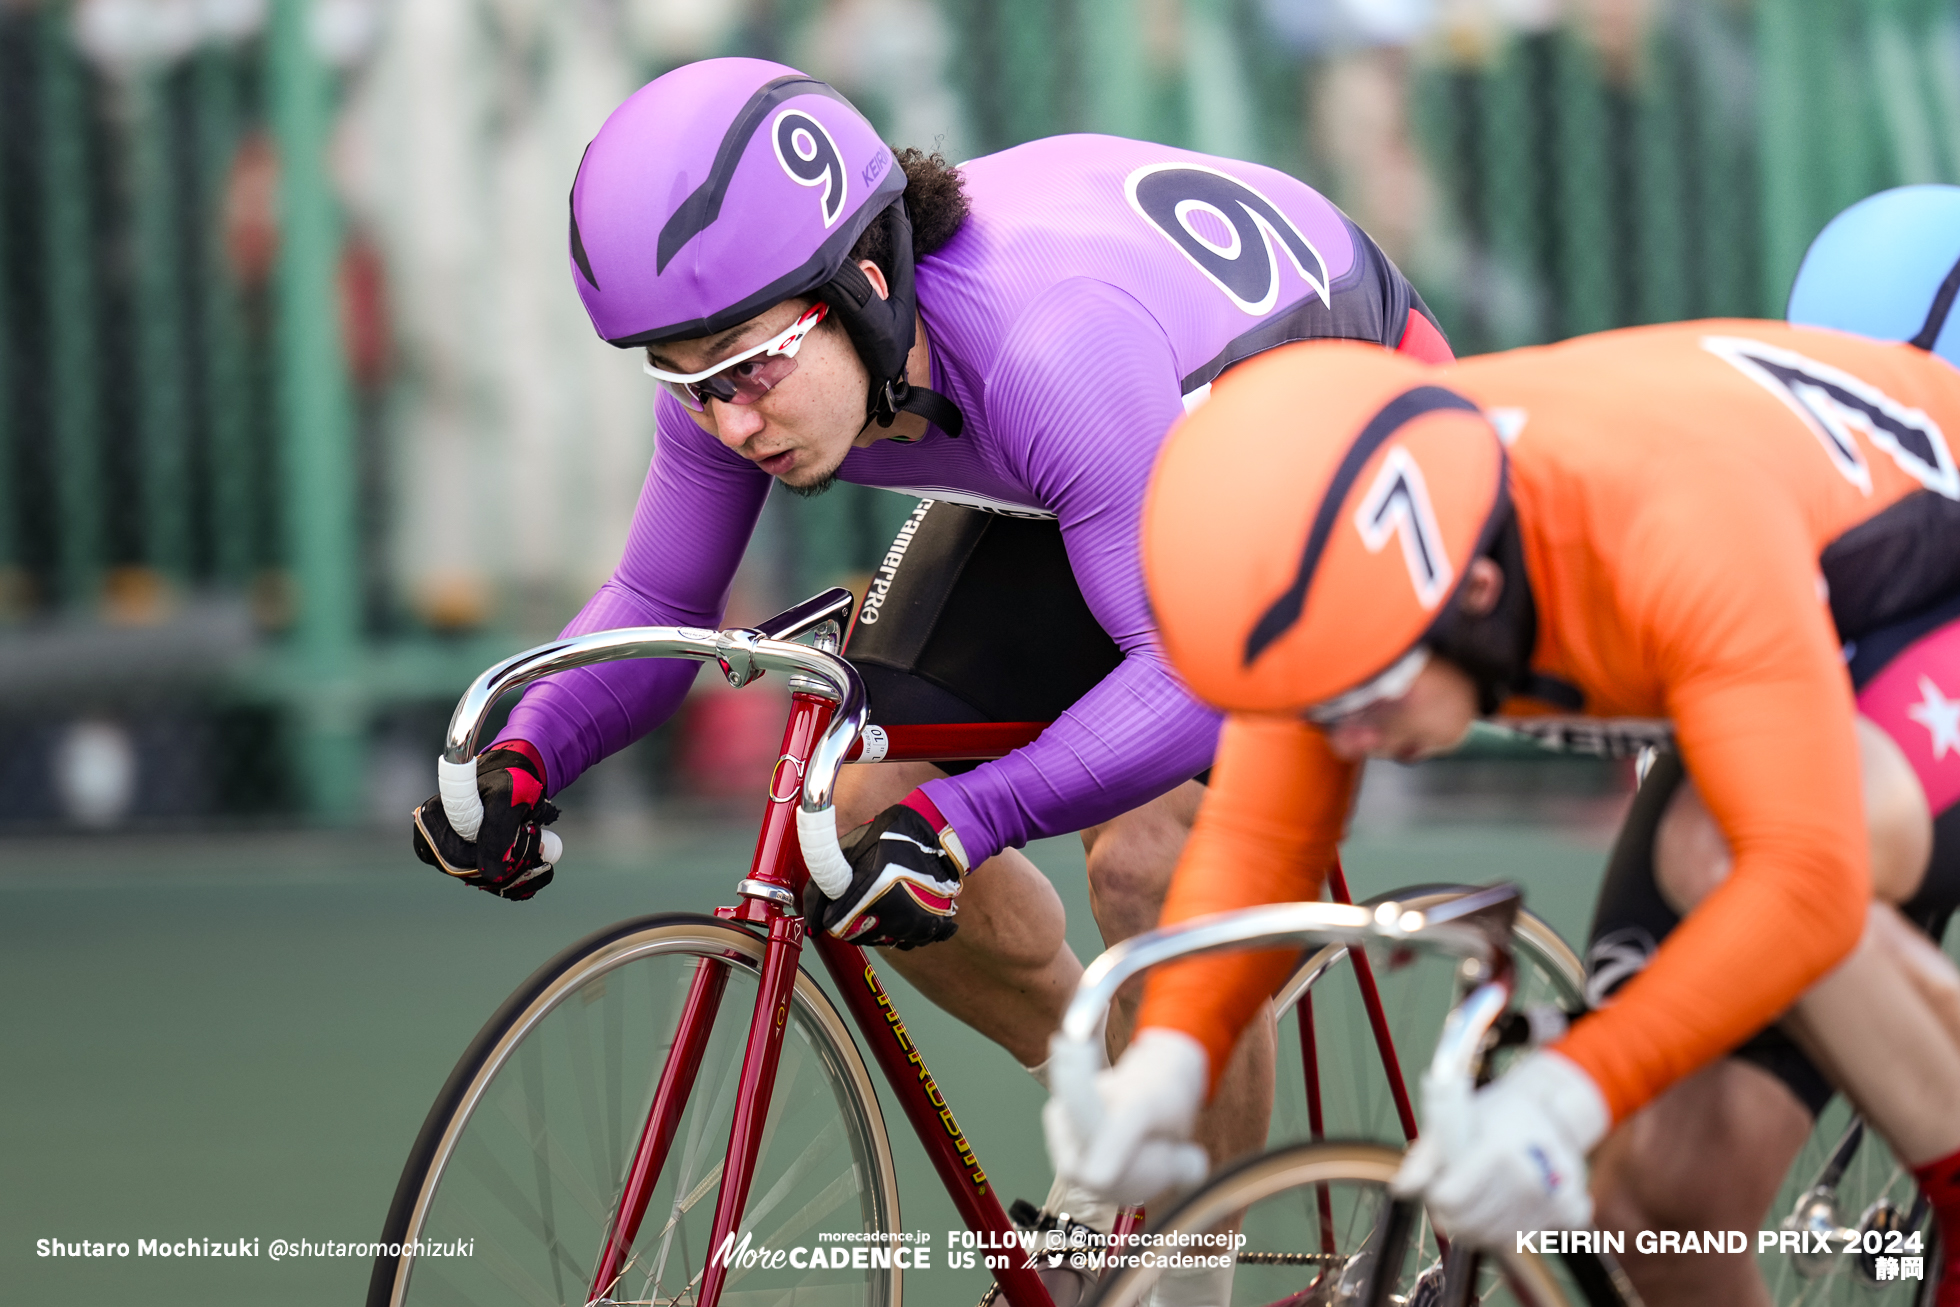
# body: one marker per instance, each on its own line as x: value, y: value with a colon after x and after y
x: 801, y: 430
x: 1432, y: 718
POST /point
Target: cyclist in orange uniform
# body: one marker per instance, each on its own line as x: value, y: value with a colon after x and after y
x: 1356, y: 555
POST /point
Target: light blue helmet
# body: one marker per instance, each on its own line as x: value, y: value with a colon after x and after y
x: 1888, y: 267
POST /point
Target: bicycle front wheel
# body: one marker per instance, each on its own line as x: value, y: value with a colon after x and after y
x: 1332, y: 1079
x: 1313, y: 1220
x: 513, y: 1186
x: 1846, y: 1182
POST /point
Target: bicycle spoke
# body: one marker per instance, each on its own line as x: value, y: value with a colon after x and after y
x: 1866, y: 1175
x: 721, y: 1095
x: 498, y: 1183
x: 687, y: 1288
x: 556, y: 1162
x: 831, y: 1197
x: 813, y: 1154
x: 614, y: 1008
x: 561, y: 1105
x: 532, y: 1068
x: 832, y: 1295
x: 709, y: 1183
x: 517, y: 1279
x: 1275, y: 1200
x: 588, y: 1083
x: 1416, y: 991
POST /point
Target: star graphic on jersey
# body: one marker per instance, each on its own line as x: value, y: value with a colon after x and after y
x: 1939, y: 715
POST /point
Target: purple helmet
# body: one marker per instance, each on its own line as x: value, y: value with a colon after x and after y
x: 728, y: 186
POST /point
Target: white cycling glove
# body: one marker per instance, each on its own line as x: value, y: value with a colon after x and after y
x: 1509, y: 1157
x: 1125, y: 1133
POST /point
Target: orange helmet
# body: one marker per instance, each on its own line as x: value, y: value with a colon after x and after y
x: 1309, y: 524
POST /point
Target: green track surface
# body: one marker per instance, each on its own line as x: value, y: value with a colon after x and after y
x: 238, y: 1038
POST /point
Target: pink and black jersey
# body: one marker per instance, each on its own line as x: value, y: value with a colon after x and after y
x: 1097, y: 288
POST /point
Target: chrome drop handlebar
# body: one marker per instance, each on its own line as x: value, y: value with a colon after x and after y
x: 1476, y: 927
x: 742, y: 654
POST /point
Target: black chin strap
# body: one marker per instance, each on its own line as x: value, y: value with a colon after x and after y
x: 883, y: 327
x: 1929, y: 334
x: 902, y: 397
x: 1495, y: 648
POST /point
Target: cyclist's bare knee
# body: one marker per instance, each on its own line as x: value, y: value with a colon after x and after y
x: 1691, y: 855
x: 1897, y: 819
x: 1126, y: 892
x: 1654, y: 1171
x: 1131, y: 859
x: 1929, y: 971
x: 865, y: 790
x: 1011, y: 918
x: 1008, y: 972
x: 1234, y: 1124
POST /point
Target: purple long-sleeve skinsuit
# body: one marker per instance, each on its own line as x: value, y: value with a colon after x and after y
x: 1098, y: 286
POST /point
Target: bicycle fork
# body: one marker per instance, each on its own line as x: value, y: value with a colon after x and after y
x: 752, y: 1095
x: 676, y: 1084
x: 663, y: 1119
x: 1371, y: 1001
x: 775, y: 876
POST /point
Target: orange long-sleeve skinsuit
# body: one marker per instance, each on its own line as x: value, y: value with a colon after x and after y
x: 1675, y: 487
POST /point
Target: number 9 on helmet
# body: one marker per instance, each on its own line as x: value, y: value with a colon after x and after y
x: 728, y: 186
x: 1308, y: 526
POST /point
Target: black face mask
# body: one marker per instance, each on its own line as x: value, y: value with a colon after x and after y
x: 1494, y: 649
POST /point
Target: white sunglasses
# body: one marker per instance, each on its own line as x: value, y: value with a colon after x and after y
x: 748, y: 376
x: 1391, y: 684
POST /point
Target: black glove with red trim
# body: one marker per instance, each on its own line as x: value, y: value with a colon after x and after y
x: 505, y: 858
x: 907, y: 868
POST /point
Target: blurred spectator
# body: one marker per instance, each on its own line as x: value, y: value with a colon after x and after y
x: 1359, y: 112
x: 889, y: 57
x: 520, y: 438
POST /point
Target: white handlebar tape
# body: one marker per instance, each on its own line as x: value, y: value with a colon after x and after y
x: 817, y: 832
x: 456, y: 783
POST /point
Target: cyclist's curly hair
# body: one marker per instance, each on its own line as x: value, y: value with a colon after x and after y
x: 935, y: 200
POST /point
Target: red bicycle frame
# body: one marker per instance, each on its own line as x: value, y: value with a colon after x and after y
x: 771, y: 895
x: 771, y: 898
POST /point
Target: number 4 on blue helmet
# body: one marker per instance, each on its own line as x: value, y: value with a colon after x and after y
x: 1888, y: 267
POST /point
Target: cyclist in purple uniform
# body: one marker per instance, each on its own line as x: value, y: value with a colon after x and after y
x: 1009, y: 341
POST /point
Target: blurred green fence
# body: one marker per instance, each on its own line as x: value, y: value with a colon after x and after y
x: 1683, y: 175
x: 191, y: 491
x: 1640, y: 162
x: 156, y: 429
x: 181, y: 462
